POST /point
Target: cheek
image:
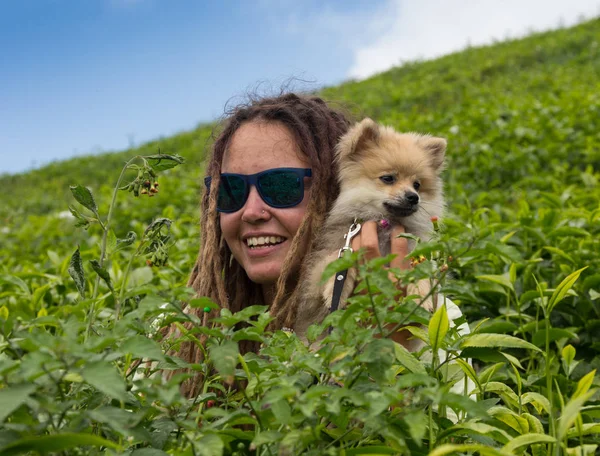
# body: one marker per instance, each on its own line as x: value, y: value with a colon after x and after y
x: 228, y: 226
x: 292, y: 220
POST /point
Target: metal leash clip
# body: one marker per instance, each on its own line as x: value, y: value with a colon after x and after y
x: 353, y: 231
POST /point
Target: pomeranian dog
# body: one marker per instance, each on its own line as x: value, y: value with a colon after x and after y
x: 383, y: 175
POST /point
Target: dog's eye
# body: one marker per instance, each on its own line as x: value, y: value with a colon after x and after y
x: 417, y: 185
x: 388, y: 179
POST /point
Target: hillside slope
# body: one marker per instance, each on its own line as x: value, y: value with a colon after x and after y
x: 523, y: 123
x: 541, y: 90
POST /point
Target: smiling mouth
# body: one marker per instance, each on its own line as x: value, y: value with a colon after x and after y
x: 263, y: 241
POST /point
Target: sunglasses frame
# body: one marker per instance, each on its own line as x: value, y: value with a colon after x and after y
x: 252, y: 180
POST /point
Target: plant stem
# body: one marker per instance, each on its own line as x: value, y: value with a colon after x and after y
x: 105, y: 228
x: 549, y: 384
x: 374, y: 308
x: 124, y: 281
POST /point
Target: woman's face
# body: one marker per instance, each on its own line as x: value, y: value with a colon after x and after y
x: 255, y: 147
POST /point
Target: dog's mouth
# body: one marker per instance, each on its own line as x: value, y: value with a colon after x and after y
x: 399, y: 209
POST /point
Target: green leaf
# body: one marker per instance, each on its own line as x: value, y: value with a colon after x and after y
x: 160, y: 162
x: 408, y: 359
x: 584, y: 384
x: 438, y: 327
x: 417, y: 425
x: 118, y: 419
x: 378, y: 357
x: 209, y: 445
x: 537, y: 399
x: 282, y: 412
x: 103, y: 273
x: 126, y: 241
x: 586, y: 429
x: 496, y: 341
x: 140, y: 276
x: 560, y: 253
x: 54, y: 443
x: 497, y: 326
x: 265, y: 437
x: 535, y: 425
x: 202, y: 302
x: 513, y: 360
x: 568, y: 354
x: 77, y: 273
x: 539, y: 338
x: 469, y: 371
x: 453, y: 449
x: 84, y: 196
x: 582, y: 450
x: 111, y: 242
x: 82, y: 220
x: 38, y: 294
x: 510, y: 418
x: 104, y: 377
x: 340, y: 264
x: 502, y: 390
x: 225, y: 358
x: 526, y: 440
x: 370, y: 450
x: 499, y: 279
x: 563, y: 288
x: 16, y: 281
x: 12, y: 398
x: 570, y: 413
x: 143, y: 347
x: 148, y: 452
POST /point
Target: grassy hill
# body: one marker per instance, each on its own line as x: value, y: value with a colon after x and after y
x: 522, y: 119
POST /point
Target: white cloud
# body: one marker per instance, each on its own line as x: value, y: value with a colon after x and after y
x: 409, y: 29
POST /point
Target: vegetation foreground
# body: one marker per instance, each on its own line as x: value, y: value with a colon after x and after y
x: 85, y: 292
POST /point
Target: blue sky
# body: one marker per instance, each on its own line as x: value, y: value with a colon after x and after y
x: 85, y: 76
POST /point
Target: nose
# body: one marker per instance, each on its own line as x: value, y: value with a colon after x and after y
x: 255, y: 208
x: 412, y: 197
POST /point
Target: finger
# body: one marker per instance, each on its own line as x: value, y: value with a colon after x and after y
x: 399, y: 247
x: 369, y: 241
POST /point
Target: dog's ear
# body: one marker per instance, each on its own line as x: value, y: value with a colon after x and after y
x: 436, y: 148
x: 357, y: 138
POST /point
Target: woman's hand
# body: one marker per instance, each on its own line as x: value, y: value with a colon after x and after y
x: 368, y: 240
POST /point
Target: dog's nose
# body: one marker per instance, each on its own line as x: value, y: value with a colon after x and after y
x: 412, y: 197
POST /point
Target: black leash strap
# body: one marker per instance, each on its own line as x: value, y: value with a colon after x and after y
x: 340, y: 280
x: 340, y: 277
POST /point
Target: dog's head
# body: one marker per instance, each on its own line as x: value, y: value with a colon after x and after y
x: 390, y: 174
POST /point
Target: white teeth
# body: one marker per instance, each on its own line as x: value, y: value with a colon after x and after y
x: 263, y: 240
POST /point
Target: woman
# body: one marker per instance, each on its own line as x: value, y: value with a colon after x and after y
x: 269, y: 187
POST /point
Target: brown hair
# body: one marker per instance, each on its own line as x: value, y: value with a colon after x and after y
x: 317, y: 127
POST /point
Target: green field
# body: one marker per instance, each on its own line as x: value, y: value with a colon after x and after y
x: 521, y: 240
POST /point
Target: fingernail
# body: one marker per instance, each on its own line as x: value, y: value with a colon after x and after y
x: 384, y: 223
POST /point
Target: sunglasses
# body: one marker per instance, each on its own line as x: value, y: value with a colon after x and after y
x: 278, y: 187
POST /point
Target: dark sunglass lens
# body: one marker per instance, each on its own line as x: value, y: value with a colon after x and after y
x: 232, y: 193
x: 281, y: 188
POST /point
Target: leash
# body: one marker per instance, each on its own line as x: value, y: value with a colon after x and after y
x: 340, y: 277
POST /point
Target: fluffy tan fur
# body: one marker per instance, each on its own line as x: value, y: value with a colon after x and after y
x: 377, y: 171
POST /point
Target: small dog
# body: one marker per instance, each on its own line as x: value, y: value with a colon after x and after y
x: 383, y: 174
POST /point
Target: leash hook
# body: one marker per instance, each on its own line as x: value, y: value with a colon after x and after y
x: 353, y: 231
